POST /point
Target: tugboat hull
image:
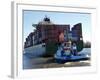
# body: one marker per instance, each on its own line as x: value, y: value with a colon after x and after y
x: 72, y: 58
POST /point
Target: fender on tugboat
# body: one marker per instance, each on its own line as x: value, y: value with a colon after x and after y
x: 64, y: 59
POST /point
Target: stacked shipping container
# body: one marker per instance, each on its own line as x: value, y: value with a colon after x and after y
x: 49, y: 32
x: 77, y: 36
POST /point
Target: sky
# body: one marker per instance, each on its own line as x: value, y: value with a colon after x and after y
x: 33, y: 17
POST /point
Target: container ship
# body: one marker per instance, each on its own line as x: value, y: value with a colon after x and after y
x: 46, y: 37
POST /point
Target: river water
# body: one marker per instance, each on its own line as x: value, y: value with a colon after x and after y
x: 86, y: 51
x: 31, y: 62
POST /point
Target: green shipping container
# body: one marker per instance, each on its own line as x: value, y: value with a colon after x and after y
x: 79, y: 45
x: 51, y: 48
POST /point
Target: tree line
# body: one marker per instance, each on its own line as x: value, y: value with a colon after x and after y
x: 87, y: 44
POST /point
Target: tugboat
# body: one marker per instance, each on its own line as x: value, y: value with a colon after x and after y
x: 68, y: 52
